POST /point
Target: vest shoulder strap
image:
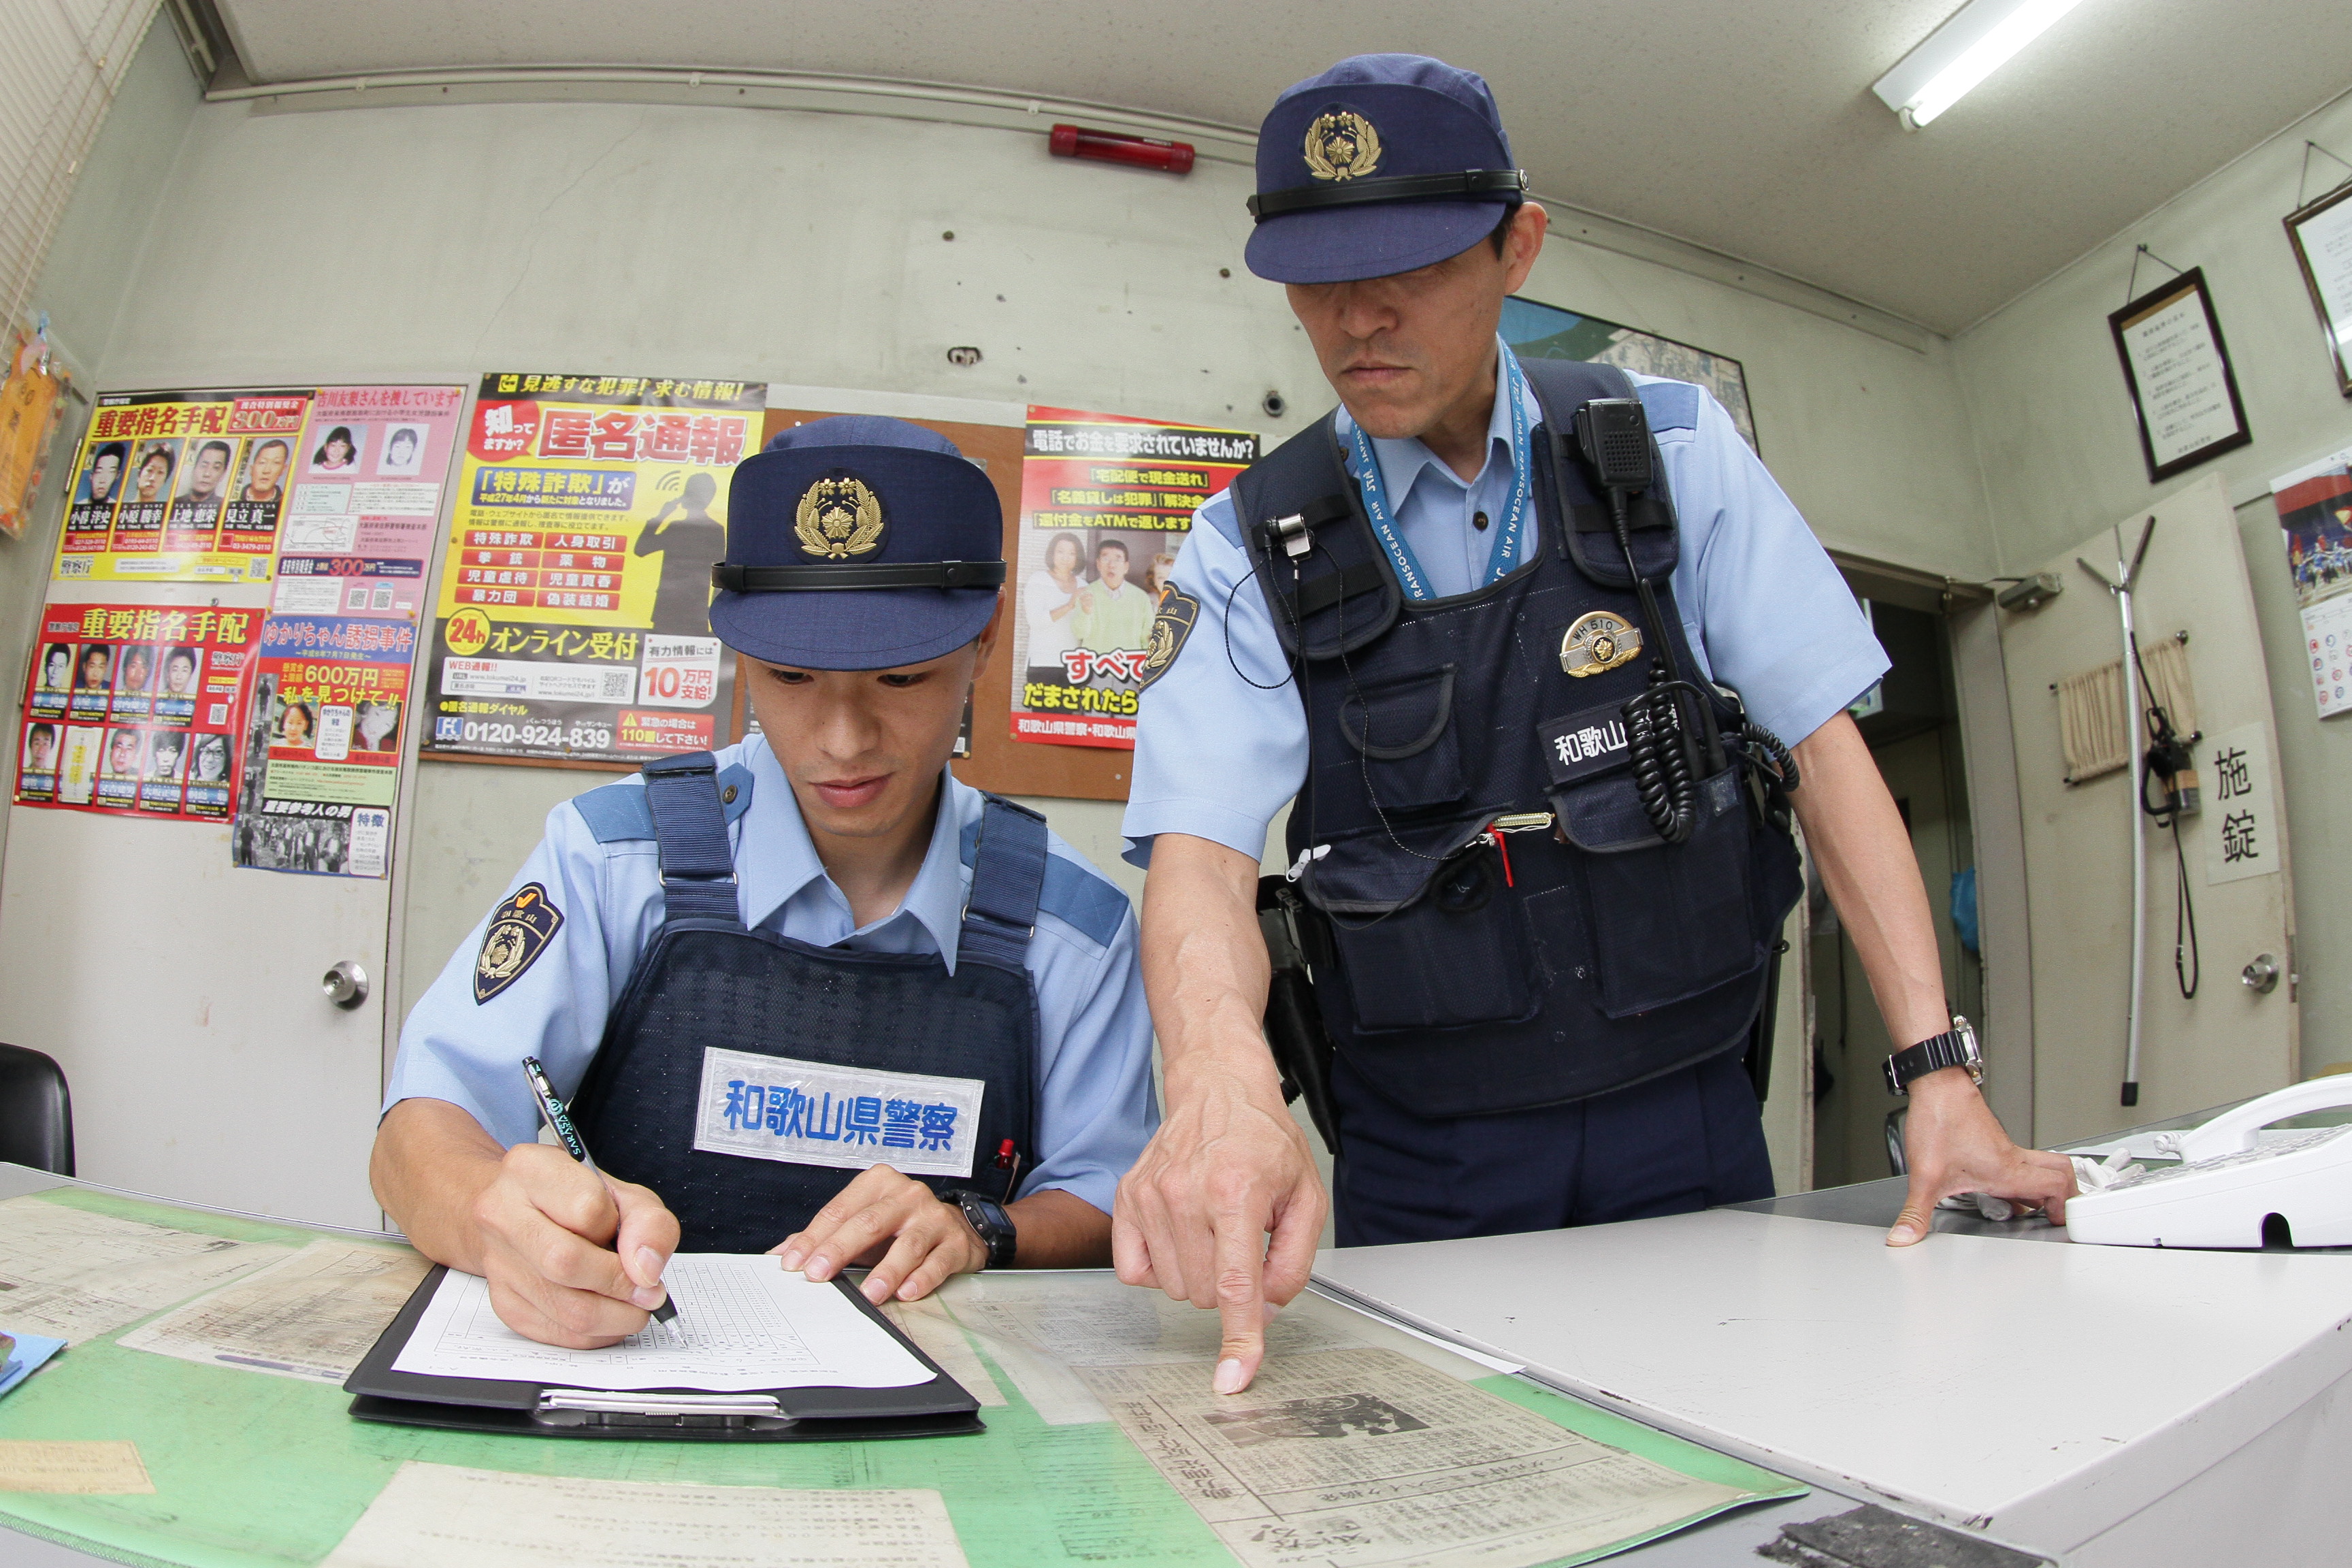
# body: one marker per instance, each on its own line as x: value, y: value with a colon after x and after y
x: 619, y: 813
x: 697, y: 871
x: 1008, y: 874
x: 1079, y: 896
x: 1338, y: 594
x: 1588, y: 534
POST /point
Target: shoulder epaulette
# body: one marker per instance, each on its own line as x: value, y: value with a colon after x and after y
x: 1671, y: 405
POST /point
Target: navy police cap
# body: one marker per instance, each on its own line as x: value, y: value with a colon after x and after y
x: 1383, y: 163
x: 858, y: 543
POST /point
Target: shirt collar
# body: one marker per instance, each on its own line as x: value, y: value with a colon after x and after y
x: 1403, y: 461
x: 785, y: 861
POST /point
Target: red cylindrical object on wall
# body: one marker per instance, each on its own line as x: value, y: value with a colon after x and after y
x: 1113, y: 147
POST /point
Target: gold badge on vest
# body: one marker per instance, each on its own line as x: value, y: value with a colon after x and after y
x: 1598, y: 641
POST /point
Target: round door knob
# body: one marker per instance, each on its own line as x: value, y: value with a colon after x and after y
x: 2261, y: 976
x: 346, y: 985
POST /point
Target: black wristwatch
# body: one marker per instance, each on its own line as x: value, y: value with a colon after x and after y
x: 1955, y: 1048
x: 989, y: 1221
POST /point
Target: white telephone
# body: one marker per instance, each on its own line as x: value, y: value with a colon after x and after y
x: 2236, y: 1186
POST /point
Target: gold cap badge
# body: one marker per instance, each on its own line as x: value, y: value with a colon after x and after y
x: 1341, y: 146
x: 1598, y: 641
x: 839, y: 518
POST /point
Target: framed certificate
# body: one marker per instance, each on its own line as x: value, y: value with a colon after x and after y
x: 2320, y: 233
x: 2178, y: 368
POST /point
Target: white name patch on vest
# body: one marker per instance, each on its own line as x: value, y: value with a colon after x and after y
x: 815, y: 1113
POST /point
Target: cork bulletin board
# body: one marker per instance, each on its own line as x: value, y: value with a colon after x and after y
x: 998, y: 762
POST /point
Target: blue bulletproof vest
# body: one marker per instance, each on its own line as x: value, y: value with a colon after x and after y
x: 708, y: 983
x: 1457, y: 975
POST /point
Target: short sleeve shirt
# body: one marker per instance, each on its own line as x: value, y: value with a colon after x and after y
x: 1220, y: 737
x: 1096, y: 1108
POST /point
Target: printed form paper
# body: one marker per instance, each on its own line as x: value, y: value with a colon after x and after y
x: 746, y: 1323
x: 1363, y: 1457
x: 312, y: 1315
x: 76, y: 1275
x: 430, y: 1516
x: 29, y: 1465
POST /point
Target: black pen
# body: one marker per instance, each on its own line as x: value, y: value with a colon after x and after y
x: 560, y: 1119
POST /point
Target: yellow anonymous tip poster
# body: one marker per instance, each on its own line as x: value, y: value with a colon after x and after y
x: 574, y: 613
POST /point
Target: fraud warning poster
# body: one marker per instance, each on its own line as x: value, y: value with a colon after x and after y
x: 1106, y: 502
x: 574, y: 620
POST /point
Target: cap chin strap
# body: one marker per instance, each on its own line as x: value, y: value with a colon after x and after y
x: 1469, y: 185
x: 885, y: 575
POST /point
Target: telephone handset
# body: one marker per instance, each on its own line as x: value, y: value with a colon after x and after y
x: 2234, y: 1187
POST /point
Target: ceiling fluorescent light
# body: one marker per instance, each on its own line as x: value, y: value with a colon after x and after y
x: 1977, y: 40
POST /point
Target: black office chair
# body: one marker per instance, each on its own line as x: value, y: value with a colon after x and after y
x: 35, y: 1112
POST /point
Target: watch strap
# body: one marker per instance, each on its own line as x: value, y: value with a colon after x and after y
x: 990, y: 1223
x: 1949, y: 1049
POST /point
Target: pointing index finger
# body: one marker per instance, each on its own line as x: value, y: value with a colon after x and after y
x: 1241, y: 1302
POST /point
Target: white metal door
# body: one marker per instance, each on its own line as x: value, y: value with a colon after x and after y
x: 2231, y: 1040
x: 182, y: 999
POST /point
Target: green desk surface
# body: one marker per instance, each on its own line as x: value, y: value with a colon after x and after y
x: 251, y: 1468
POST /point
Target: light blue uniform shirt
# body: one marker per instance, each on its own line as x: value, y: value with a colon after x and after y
x: 1221, y: 738
x: 1095, y: 1103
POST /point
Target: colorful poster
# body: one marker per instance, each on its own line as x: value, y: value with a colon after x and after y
x: 573, y: 621
x: 131, y: 709
x: 31, y: 404
x: 180, y: 487
x: 321, y: 765
x: 363, y: 500
x: 2315, y: 507
x: 1106, y: 502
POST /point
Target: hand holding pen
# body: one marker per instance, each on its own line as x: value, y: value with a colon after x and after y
x: 559, y: 1118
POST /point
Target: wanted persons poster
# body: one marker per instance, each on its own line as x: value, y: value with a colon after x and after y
x: 360, y: 491
x: 180, y: 487
x: 1106, y: 503
x: 131, y: 710
x: 574, y: 616
x: 322, y: 745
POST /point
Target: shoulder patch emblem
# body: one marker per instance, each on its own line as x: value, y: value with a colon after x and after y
x: 519, y: 931
x: 1170, y: 628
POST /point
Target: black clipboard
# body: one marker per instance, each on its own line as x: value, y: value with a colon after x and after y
x: 941, y: 1407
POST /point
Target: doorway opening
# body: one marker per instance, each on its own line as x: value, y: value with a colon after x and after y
x: 1911, y: 721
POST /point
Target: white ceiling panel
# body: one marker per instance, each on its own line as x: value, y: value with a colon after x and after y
x: 1748, y: 128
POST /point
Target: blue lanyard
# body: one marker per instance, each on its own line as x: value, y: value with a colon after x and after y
x: 1506, y: 554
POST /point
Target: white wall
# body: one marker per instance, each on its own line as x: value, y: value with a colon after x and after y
x: 246, y: 243
x: 2053, y: 424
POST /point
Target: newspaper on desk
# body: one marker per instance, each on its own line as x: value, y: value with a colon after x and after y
x: 76, y: 1275
x: 312, y: 1315
x: 1356, y: 1457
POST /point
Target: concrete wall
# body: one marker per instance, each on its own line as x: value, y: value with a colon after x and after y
x: 298, y: 242
x: 2054, y: 434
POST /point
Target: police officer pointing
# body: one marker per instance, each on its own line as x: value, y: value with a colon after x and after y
x: 1523, y: 641
x: 808, y: 994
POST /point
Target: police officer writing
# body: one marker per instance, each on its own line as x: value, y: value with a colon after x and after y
x: 1519, y: 638
x: 807, y: 993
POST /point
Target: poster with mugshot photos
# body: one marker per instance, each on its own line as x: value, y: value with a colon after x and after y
x: 321, y: 770
x: 131, y: 710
